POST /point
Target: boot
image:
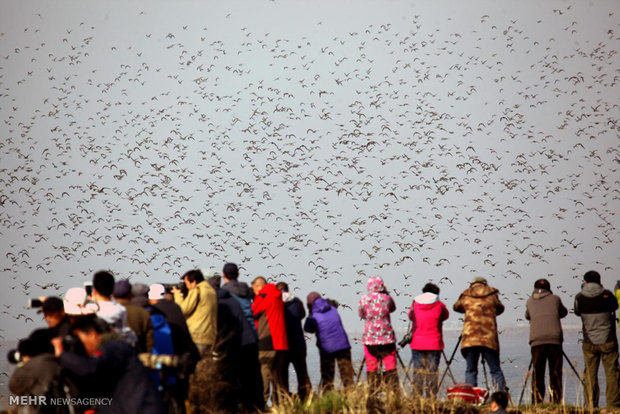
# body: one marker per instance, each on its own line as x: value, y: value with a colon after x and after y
x: 373, y: 404
x: 391, y: 380
x: 374, y: 381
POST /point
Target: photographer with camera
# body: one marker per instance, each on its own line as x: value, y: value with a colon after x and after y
x: 427, y: 314
x: 38, y: 372
x: 199, y: 307
x: 379, y: 339
x: 331, y: 339
x: 113, y: 366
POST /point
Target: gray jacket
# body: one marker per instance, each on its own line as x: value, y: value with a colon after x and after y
x: 597, y: 308
x: 544, y: 311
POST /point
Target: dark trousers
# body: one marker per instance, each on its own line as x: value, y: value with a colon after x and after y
x: 592, y: 356
x: 297, y: 357
x: 273, y: 365
x: 542, y: 355
x: 426, y: 372
x: 250, y: 379
x: 328, y: 368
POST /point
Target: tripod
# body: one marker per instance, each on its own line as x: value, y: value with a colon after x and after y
x: 529, y: 372
x: 402, y: 364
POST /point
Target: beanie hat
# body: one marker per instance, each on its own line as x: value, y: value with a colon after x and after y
x: 122, y: 289
x: 479, y: 279
x: 312, y: 296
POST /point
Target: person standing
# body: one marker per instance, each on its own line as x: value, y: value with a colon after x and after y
x: 597, y: 308
x: 481, y: 305
x: 294, y: 313
x: 268, y: 310
x: 379, y: 339
x: 199, y: 308
x: 138, y: 318
x: 544, y: 311
x: 427, y: 314
x: 251, y: 382
x: 112, y: 312
x: 331, y: 339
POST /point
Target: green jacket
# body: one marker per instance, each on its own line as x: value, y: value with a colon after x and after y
x: 200, y: 310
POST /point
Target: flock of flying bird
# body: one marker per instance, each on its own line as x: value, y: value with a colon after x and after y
x: 320, y: 158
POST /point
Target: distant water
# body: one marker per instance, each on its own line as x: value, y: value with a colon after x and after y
x: 515, y: 357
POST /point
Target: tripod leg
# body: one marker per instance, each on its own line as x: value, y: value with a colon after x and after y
x: 527, y: 376
x: 359, y: 371
x: 574, y: 369
x: 448, y: 370
x: 402, y: 364
x: 456, y: 347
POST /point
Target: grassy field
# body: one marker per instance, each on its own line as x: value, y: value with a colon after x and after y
x: 359, y: 400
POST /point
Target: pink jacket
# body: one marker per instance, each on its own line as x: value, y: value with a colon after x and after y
x: 427, y: 314
x: 375, y: 309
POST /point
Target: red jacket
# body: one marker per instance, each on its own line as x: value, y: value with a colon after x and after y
x: 268, y: 310
x: 427, y: 314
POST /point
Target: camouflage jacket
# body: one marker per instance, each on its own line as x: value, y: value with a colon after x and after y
x: 480, y: 304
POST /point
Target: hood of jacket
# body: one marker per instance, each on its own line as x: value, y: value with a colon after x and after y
x: 540, y: 293
x: 223, y: 294
x: 240, y: 289
x: 113, y: 313
x: 426, y: 298
x: 287, y: 297
x: 270, y: 289
x: 375, y: 285
x: 591, y: 290
x: 480, y: 290
x: 320, y: 306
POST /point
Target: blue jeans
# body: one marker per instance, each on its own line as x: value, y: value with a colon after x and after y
x: 426, y: 372
x: 491, y: 357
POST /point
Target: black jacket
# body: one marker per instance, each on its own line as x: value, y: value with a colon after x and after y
x: 120, y: 375
x: 294, y: 313
x: 181, y: 338
x: 597, y: 307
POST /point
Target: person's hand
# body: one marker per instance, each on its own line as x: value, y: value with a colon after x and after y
x: 58, y: 347
x: 175, y: 290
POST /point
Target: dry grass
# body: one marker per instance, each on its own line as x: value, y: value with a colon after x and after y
x: 358, y: 399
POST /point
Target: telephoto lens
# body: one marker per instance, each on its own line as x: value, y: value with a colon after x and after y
x: 13, y: 356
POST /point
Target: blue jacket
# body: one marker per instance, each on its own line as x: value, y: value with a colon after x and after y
x: 241, y: 292
x: 325, y: 322
x: 233, y: 327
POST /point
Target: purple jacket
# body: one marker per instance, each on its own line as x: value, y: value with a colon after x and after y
x: 375, y: 309
x: 325, y: 322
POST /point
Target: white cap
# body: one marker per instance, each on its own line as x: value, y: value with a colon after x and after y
x: 76, y: 302
x: 207, y: 273
x: 156, y: 291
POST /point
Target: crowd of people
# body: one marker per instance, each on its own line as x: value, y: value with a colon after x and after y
x: 213, y: 343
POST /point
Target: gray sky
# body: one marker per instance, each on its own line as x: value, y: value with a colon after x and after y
x: 312, y: 142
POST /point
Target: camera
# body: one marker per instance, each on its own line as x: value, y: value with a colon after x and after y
x: 406, y: 340
x: 181, y: 286
x: 88, y: 287
x: 35, y: 303
x: 14, y: 356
